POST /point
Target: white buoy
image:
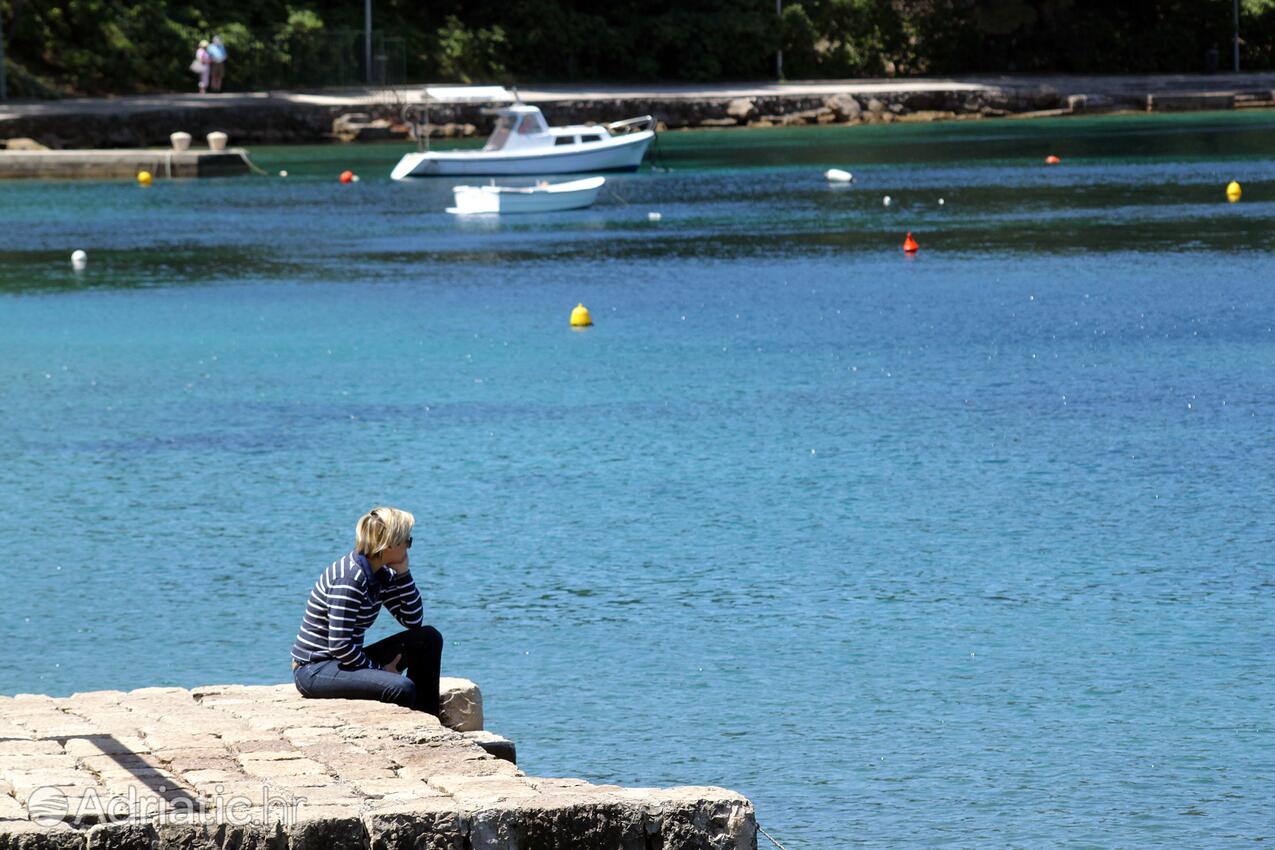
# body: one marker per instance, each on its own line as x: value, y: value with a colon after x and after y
x: 836, y: 175
x: 354, y: 179
x: 79, y: 260
x: 283, y: 173
x: 885, y: 201
x: 653, y: 216
x: 941, y: 202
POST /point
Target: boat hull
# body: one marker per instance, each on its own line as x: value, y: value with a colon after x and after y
x: 479, y: 200
x: 621, y: 153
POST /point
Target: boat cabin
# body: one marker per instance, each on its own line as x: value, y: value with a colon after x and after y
x: 521, y: 127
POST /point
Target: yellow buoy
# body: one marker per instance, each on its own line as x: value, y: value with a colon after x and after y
x: 580, y: 317
x: 144, y: 178
x: 1233, y: 191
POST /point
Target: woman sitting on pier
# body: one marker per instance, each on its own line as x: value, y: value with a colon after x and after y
x: 328, y: 657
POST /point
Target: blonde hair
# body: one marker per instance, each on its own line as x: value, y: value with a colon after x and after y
x: 381, y: 528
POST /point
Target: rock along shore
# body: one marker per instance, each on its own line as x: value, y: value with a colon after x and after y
x: 297, y: 117
x: 238, y: 767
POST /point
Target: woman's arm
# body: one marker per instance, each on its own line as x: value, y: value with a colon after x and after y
x: 404, y: 601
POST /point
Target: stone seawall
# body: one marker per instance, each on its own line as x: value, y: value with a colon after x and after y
x: 297, y: 117
x: 235, y: 767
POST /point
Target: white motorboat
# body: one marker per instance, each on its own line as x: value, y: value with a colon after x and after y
x: 524, y: 143
x: 543, y: 197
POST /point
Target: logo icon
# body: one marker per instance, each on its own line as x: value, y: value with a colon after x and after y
x: 47, y: 806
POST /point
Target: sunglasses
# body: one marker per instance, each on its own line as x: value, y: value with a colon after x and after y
x: 409, y: 543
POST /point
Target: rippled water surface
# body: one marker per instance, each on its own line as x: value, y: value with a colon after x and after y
x: 971, y: 549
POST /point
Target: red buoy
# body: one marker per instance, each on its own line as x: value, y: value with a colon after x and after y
x: 347, y: 176
x: 1052, y: 160
x: 909, y: 244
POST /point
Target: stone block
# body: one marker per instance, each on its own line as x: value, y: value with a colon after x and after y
x: 422, y: 825
x: 121, y: 836
x: 173, y: 740
x: 460, y: 704
x: 324, y: 829
x: 200, y: 778
x: 83, y: 698
x: 22, y: 143
x: 30, y: 748
x: 24, y: 784
x: 275, y: 720
x: 283, y: 767
x: 244, y: 833
x: 180, y: 768
x: 11, y: 809
x: 335, y: 751
x: 1179, y: 102
x: 97, y: 745
x: 355, y: 770
x: 247, y: 739
x: 482, y: 791
x: 741, y: 109
x: 282, y: 752
x: 60, y: 761
x: 25, y: 835
x: 396, y: 788
x: 844, y: 107
x: 495, y: 745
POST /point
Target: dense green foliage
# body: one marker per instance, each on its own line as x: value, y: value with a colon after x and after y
x: 118, y: 46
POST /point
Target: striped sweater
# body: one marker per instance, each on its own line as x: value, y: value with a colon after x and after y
x: 342, y: 606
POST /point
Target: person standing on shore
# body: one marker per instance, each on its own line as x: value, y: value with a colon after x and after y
x: 328, y: 656
x: 217, y: 53
x: 202, y: 65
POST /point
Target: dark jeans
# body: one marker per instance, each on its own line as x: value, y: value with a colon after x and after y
x: 422, y: 651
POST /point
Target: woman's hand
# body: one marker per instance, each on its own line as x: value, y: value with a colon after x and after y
x: 392, y: 667
x: 399, y: 567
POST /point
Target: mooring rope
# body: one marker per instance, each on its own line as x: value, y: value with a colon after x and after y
x: 611, y: 191
x: 771, y: 837
x: 657, y: 155
x: 251, y: 167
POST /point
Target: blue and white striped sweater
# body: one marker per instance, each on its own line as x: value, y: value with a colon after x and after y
x: 342, y: 606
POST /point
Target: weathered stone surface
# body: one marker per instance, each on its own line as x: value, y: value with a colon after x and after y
x: 460, y: 704
x: 260, y: 768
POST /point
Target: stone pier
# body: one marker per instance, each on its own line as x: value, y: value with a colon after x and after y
x: 237, y: 767
x: 113, y: 164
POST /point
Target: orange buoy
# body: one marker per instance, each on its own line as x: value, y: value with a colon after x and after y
x: 1052, y: 160
x: 909, y: 244
x: 347, y: 176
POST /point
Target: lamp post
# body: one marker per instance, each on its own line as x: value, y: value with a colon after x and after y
x: 1235, y: 40
x: 779, y: 54
x: 4, y: 82
x: 367, y: 39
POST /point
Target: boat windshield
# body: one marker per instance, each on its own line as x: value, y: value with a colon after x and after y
x: 504, y: 126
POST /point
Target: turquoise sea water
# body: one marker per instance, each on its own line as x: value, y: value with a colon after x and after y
x: 971, y: 549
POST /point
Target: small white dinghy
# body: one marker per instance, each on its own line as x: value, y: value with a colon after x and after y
x: 543, y: 197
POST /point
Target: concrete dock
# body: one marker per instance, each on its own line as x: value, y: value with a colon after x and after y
x: 237, y: 767
x: 112, y: 164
